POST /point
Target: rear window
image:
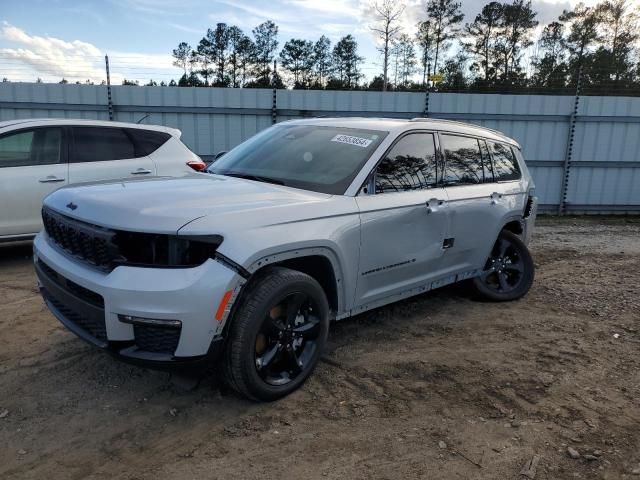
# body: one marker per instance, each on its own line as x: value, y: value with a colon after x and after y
x: 505, y: 165
x: 318, y: 158
x: 97, y: 144
x: 147, y: 141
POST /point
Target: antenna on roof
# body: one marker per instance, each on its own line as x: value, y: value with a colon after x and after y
x: 143, y: 118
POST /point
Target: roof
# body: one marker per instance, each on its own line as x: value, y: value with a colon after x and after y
x: 38, y: 122
x: 396, y: 125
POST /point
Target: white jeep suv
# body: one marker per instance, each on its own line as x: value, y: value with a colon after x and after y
x: 306, y: 222
x: 38, y: 156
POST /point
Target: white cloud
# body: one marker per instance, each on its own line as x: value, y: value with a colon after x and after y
x: 51, y: 59
x: 342, y: 8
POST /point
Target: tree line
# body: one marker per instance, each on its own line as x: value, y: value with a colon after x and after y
x: 495, y: 51
x: 227, y: 57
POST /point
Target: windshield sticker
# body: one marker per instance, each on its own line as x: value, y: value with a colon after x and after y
x: 357, y: 141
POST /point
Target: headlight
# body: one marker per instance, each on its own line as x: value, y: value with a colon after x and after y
x: 157, y: 250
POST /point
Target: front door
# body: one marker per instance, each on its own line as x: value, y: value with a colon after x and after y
x: 403, y: 222
x: 32, y: 165
x: 106, y: 153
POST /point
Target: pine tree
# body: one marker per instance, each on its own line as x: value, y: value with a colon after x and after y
x: 425, y: 38
x: 181, y: 56
x: 485, y: 31
x: 346, y: 63
x: 266, y: 44
x: 297, y: 57
x: 322, y: 60
x: 445, y: 15
x: 388, y: 14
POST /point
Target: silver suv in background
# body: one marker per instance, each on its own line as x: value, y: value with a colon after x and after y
x: 306, y: 222
x: 38, y: 156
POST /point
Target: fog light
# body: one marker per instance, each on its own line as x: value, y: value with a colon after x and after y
x: 150, y: 322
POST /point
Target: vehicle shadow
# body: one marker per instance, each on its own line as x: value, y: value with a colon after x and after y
x: 14, y: 253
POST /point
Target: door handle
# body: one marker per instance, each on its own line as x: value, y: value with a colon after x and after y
x: 433, y: 204
x: 494, y: 197
x: 141, y: 171
x: 51, y: 179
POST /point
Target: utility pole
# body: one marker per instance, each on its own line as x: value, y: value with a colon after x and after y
x: 426, y: 97
x: 274, y: 111
x: 569, y: 151
x: 109, y: 102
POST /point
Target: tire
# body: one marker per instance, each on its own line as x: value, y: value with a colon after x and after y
x: 509, y: 271
x: 277, y: 334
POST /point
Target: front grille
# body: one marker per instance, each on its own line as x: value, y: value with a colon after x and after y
x: 156, y: 339
x: 87, y: 242
x: 77, y: 290
x: 93, y: 327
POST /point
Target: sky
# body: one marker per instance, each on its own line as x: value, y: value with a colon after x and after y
x: 52, y: 39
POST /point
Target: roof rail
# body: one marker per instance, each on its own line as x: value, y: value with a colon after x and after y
x: 456, y: 122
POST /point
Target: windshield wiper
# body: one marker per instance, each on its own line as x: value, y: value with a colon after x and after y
x: 257, y: 178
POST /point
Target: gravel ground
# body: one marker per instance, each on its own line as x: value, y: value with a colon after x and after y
x: 439, y: 386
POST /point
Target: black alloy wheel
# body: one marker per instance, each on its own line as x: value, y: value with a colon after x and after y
x: 288, y: 339
x: 277, y: 333
x: 508, y: 272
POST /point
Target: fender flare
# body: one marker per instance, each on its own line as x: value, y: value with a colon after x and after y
x: 293, y: 253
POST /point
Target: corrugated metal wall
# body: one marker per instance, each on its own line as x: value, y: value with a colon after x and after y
x: 603, y: 171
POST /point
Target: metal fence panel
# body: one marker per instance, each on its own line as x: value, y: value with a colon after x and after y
x: 603, y: 172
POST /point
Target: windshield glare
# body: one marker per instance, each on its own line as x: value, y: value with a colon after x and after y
x: 321, y: 159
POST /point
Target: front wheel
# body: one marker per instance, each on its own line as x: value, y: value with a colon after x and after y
x: 277, y: 334
x: 509, y: 271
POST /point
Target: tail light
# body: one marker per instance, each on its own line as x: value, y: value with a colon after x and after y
x: 197, y: 165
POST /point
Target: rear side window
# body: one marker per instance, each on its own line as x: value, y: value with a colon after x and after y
x: 505, y: 165
x: 41, y: 146
x: 97, y: 144
x: 147, y: 141
x: 409, y: 165
x: 463, y: 160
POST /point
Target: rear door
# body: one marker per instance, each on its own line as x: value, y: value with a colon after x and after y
x: 106, y: 153
x: 403, y: 222
x: 474, y: 207
x: 32, y: 165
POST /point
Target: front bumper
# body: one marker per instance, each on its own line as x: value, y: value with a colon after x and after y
x: 91, y: 304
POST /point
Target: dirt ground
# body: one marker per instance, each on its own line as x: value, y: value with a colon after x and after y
x: 438, y: 387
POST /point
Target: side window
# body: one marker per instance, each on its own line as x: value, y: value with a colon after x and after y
x: 409, y: 165
x: 41, y: 146
x: 463, y: 160
x: 504, y: 162
x: 96, y: 144
x: 147, y: 141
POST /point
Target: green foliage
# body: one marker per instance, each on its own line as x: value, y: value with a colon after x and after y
x: 488, y: 53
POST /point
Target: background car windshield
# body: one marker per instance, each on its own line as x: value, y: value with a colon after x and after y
x: 322, y: 159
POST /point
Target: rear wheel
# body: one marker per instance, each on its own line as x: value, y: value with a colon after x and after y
x: 277, y: 335
x: 509, y: 271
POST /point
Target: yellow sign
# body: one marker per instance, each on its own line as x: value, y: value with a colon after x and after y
x: 436, y: 77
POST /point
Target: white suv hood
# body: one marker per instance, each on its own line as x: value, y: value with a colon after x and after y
x: 164, y: 205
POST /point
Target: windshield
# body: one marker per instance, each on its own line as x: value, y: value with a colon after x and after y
x: 322, y: 159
